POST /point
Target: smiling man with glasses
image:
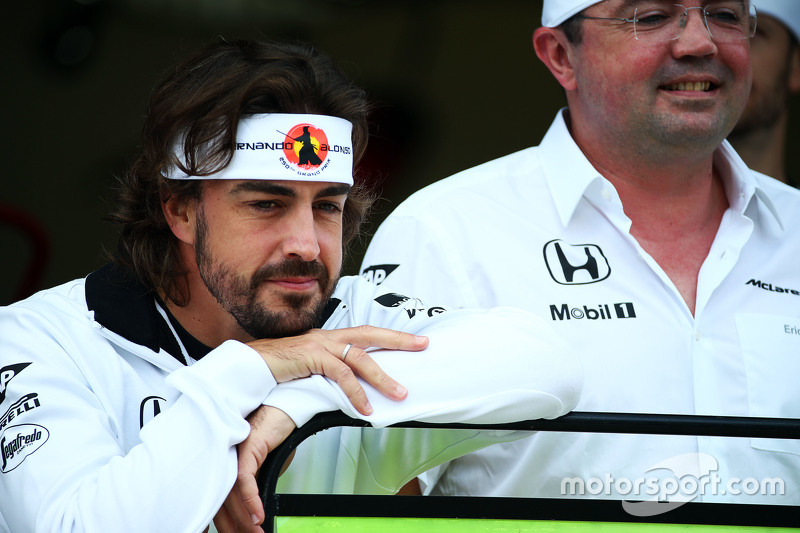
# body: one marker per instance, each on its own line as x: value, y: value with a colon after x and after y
x: 638, y: 231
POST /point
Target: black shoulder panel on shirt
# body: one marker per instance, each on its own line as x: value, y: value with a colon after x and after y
x: 126, y: 307
x: 332, y: 305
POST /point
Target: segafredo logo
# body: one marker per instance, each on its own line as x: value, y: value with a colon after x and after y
x: 18, y: 442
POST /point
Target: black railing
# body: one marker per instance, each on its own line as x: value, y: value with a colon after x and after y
x: 536, y: 508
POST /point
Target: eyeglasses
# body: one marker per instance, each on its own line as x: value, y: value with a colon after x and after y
x: 658, y: 22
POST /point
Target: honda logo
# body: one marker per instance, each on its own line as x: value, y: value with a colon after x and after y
x: 150, y: 408
x: 575, y: 264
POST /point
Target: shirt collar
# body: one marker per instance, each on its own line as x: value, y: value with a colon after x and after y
x: 126, y: 307
x: 741, y: 183
x: 571, y: 177
x: 569, y: 174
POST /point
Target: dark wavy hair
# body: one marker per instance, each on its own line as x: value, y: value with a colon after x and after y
x: 200, y: 103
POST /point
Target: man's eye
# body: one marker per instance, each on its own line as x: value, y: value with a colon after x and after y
x: 329, y: 207
x: 264, y: 204
x: 725, y: 16
x: 652, y: 18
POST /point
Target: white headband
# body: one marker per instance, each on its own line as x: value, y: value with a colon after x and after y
x: 278, y: 146
x: 554, y: 12
x: 786, y: 11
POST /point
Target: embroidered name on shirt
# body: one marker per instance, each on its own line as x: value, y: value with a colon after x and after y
x: 772, y: 288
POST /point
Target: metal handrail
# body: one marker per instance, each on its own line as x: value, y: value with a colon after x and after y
x: 589, y: 422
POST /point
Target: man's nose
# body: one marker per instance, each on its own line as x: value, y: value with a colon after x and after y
x: 695, y: 37
x: 301, y: 239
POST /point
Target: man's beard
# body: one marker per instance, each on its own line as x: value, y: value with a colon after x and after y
x: 239, y: 295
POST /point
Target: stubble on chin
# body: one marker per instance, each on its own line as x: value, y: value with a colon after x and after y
x: 240, y: 296
x: 292, y: 314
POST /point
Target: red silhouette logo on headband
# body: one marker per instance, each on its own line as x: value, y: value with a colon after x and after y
x: 306, y: 146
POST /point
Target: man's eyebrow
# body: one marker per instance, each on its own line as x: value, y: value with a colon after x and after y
x: 265, y: 187
x: 268, y: 187
x: 334, y: 190
x: 626, y: 7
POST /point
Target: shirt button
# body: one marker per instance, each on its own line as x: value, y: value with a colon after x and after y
x: 697, y: 335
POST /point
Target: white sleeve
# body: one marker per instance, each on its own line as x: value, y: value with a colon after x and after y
x: 415, y: 256
x: 481, y: 366
x: 494, y: 366
x: 85, y: 474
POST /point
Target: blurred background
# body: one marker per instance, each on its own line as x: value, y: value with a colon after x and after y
x: 456, y: 82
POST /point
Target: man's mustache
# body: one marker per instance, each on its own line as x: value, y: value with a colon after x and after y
x: 292, y: 268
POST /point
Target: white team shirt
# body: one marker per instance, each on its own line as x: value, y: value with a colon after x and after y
x: 543, y: 230
x: 103, y: 433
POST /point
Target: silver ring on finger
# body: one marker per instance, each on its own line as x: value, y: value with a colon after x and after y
x: 346, y: 349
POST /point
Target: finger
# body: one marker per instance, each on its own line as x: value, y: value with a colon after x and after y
x: 346, y: 350
x: 244, y: 503
x: 223, y: 521
x: 371, y: 336
x: 343, y: 375
x: 363, y: 365
x: 250, y: 500
x: 366, y: 367
x: 238, y: 511
x: 244, y: 513
x: 269, y: 427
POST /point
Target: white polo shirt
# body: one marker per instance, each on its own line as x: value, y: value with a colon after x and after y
x: 543, y: 230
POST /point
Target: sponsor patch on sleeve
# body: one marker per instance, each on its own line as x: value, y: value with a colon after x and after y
x: 18, y: 442
x: 378, y: 273
x: 7, y: 373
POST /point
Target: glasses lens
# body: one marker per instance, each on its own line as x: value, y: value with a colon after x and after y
x: 657, y: 21
x: 730, y: 20
x: 725, y: 20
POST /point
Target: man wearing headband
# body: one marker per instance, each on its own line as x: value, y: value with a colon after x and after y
x: 760, y: 135
x: 640, y: 234
x: 125, y: 394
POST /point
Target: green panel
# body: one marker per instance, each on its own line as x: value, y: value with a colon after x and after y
x: 303, y: 524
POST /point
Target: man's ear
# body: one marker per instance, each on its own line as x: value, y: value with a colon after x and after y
x: 553, y: 50
x: 181, y: 217
x: 794, y: 70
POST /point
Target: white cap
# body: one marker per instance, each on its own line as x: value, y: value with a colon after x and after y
x: 554, y: 12
x: 786, y: 11
x: 282, y: 146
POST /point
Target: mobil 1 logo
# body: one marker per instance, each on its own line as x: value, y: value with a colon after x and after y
x: 595, y: 312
